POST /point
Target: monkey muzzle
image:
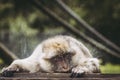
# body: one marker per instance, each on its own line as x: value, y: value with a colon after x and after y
x: 62, y: 65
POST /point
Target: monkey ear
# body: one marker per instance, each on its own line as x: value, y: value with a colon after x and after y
x: 47, y: 59
x: 73, y: 54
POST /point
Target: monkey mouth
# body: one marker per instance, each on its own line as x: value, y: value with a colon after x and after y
x: 63, y: 71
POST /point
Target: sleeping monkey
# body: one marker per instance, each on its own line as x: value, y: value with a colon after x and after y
x: 57, y: 54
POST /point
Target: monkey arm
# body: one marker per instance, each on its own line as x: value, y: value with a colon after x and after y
x: 90, y: 65
x: 23, y: 64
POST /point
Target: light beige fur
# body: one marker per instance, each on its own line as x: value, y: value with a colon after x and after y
x: 81, y: 62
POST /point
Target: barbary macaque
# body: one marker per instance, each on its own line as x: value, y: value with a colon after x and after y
x: 57, y: 54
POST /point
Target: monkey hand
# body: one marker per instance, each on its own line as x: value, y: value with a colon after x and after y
x: 90, y: 66
x: 8, y: 72
x: 79, y: 71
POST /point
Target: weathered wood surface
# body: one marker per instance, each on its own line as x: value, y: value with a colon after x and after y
x: 60, y: 76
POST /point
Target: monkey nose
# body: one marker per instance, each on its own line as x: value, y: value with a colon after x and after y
x: 65, y: 66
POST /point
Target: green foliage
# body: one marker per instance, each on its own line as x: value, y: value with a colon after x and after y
x: 110, y: 68
x: 1, y: 61
x: 21, y: 26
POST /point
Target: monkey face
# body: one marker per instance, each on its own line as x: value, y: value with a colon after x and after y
x: 61, y: 63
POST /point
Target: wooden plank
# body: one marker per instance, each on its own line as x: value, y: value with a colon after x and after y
x: 60, y: 76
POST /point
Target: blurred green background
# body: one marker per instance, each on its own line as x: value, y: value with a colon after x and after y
x: 23, y: 27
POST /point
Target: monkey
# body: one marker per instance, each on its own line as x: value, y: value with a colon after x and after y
x: 60, y: 54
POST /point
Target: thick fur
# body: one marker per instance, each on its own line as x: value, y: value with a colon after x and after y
x: 81, y: 62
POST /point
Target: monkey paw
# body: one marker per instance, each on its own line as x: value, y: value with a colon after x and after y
x: 78, y: 71
x: 8, y: 72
